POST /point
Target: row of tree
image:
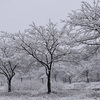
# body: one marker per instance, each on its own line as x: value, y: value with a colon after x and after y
x: 78, y: 40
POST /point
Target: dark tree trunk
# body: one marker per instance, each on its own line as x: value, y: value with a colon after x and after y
x: 70, y: 81
x: 87, y: 76
x: 49, y: 82
x: 9, y: 85
x: 88, y: 80
x: 21, y: 79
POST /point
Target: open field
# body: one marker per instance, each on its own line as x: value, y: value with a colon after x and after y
x: 60, y: 91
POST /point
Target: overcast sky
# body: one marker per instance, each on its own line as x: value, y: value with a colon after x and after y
x: 16, y: 15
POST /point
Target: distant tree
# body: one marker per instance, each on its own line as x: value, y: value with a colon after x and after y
x: 95, y: 63
x: 26, y: 67
x: 98, y: 76
x: 8, y: 60
x: 67, y: 70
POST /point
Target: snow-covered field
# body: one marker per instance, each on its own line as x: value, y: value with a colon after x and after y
x: 60, y: 91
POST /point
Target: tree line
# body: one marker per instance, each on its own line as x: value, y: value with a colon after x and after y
x: 78, y: 40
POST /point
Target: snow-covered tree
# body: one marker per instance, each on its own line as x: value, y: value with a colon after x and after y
x: 86, y: 22
x: 45, y: 44
x: 86, y: 25
x: 9, y: 59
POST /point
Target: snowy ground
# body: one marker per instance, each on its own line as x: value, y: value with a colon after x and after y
x: 60, y: 91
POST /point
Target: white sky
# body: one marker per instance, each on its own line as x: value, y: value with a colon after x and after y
x: 16, y: 15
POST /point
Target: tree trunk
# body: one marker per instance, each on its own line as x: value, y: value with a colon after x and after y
x: 21, y: 79
x: 49, y: 82
x: 87, y: 75
x: 70, y: 81
x: 9, y: 85
x: 88, y: 80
